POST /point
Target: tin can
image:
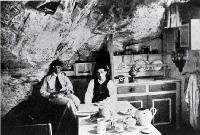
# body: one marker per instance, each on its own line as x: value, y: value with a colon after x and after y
x: 101, y: 126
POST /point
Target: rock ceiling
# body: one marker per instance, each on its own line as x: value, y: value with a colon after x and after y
x: 31, y: 36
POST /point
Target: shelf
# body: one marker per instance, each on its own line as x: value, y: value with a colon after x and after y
x: 139, y: 54
x: 150, y: 82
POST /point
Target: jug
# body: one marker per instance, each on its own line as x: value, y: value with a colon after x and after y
x: 144, y: 116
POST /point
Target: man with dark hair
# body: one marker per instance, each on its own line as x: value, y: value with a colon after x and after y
x: 58, y: 89
x: 101, y: 87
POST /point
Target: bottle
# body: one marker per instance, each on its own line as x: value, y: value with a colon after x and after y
x: 132, y: 73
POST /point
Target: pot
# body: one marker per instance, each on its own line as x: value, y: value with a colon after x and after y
x: 144, y: 116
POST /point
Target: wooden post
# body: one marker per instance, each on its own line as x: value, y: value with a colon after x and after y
x: 110, y: 49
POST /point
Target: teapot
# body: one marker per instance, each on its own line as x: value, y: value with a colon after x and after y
x: 144, y: 116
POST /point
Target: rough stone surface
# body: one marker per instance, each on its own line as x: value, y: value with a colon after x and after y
x: 35, y: 38
x: 13, y: 91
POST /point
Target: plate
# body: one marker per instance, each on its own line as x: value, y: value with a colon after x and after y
x: 157, y: 64
x: 82, y: 114
x: 125, y: 108
x: 124, y: 113
x: 140, y: 65
x: 88, y: 108
x: 146, y: 131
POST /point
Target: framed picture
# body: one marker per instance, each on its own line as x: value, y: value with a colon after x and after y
x: 84, y: 68
x: 185, y: 35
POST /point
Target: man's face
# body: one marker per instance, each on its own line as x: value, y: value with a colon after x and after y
x: 101, y: 74
x: 58, y: 69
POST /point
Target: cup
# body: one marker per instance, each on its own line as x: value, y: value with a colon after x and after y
x: 119, y: 127
x: 101, y: 126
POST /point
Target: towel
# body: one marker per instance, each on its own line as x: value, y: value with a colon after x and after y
x: 192, y: 98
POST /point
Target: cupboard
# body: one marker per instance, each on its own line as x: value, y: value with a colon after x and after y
x: 161, y: 94
x: 164, y: 95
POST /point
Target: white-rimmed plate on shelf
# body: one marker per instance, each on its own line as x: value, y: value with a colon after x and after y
x: 140, y: 65
x: 157, y: 64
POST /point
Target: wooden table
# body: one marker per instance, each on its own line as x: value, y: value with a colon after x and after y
x: 87, y: 127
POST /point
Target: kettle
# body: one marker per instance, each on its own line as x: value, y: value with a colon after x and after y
x: 144, y: 116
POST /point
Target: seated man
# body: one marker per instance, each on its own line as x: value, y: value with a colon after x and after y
x: 58, y: 89
x: 101, y: 87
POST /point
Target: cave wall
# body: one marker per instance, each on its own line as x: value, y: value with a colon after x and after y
x: 32, y: 38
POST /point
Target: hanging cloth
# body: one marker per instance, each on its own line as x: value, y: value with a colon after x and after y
x: 193, y: 98
x: 58, y: 85
x: 173, y: 17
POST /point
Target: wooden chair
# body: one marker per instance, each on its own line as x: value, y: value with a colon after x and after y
x: 36, y: 129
